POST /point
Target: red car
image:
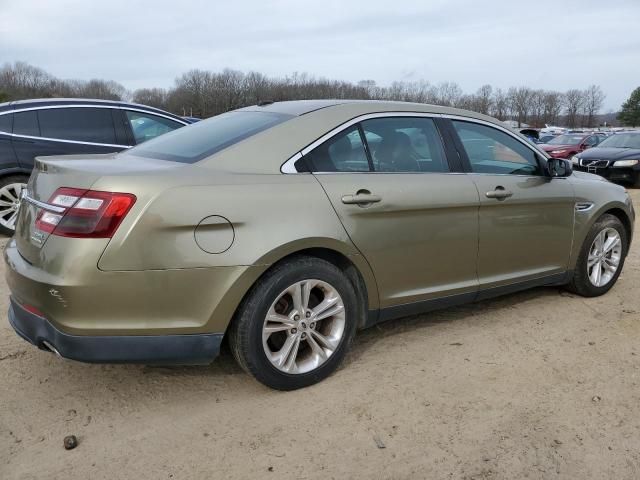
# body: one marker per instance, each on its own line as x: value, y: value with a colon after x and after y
x: 567, y: 145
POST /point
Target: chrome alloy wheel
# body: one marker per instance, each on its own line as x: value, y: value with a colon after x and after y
x: 304, y: 326
x: 10, y: 196
x: 604, y: 257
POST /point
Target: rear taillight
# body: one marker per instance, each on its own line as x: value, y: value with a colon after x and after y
x: 87, y: 213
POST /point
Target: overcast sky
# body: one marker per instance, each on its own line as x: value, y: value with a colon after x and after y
x: 542, y: 44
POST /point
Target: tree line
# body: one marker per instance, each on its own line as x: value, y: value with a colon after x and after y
x: 204, y: 93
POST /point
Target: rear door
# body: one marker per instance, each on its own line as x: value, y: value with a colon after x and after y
x: 526, y: 217
x: 63, y: 130
x: 413, y: 220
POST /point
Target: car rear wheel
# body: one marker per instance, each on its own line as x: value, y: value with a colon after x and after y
x: 296, y: 324
x: 601, y: 257
x: 10, y: 195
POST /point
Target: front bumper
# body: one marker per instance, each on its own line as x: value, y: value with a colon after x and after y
x: 610, y: 173
x: 188, y: 349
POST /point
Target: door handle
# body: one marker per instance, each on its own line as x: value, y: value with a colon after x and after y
x: 361, y: 198
x: 499, y: 193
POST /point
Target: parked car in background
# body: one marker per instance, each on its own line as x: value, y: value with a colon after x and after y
x: 35, y: 128
x: 285, y: 228
x: 567, y: 145
x: 617, y: 158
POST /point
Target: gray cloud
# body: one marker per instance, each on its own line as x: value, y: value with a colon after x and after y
x: 546, y: 43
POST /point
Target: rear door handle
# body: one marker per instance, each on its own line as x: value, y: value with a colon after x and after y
x: 499, y: 193
x: 361, y: 198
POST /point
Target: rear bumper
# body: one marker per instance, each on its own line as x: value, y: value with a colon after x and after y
x: 188, y: 349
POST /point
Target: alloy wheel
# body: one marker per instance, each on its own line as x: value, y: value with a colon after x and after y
x: 604, y: 257
x: 10, y: 196
x: 304, y: 326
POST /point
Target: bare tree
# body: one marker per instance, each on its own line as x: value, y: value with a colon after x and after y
x: 574, y: 99
x: 593, y: 99
x: 520, y: 101
x: 154, y: 97
x: 500, y: 104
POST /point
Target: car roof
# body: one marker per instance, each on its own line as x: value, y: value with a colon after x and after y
x: 51, y: 102
x: 303, y: 107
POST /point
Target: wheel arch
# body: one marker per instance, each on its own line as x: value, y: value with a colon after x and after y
x: 617, y: 209
x: 353, y: 265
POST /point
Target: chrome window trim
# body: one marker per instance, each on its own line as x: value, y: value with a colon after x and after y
x: 77, y: 142
x: 288, y: 166
x: 77, y: 105
x: 74, y: 105
x: 43, y: 205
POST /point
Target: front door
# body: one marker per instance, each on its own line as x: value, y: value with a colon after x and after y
x: 414, y: 222
x: 526, y: 218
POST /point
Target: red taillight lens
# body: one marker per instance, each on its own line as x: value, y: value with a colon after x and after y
x: 87, y: 214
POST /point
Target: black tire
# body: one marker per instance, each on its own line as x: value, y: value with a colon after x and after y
x: 245, y: 332
x: 580, y: 282
x: 5, y: 181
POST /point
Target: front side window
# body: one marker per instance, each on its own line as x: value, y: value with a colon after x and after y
x: 405, y: 144
x: 343, y: 152
x: 492, y: 151
x: 202, y: 139
x: 82, y: 124
x: 146, y: 126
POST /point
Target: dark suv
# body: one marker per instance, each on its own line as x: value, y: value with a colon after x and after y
x: 35, y: 128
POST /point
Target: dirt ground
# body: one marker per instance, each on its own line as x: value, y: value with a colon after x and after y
x: 540, y: 384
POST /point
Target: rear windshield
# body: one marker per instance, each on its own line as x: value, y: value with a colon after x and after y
x: 622, y: 140
x: 202, y: 139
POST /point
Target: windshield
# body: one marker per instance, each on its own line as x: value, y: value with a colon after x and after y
x: 566, y: 140
x: 202, y: 139
x: 622, y: 140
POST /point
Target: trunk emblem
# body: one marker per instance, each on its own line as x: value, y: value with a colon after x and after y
x: 37, y: 238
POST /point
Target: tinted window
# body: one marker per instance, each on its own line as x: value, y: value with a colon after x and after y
x: 202, y: 139
x: 492, y: 151
x: 6, y: 123
x: 26, y: 123
x: 145, y: 126
x: 591, y: 141
x: 408, y: 144
x: 622, y: 140
x: 80, y: 124
x: 343, y: 152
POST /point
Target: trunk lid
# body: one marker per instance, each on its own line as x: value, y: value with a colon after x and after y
x: 75, y: 171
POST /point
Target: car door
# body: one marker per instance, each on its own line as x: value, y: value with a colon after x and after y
x: 63, y: 131
x: 414, y: 221
x: 526, y: 217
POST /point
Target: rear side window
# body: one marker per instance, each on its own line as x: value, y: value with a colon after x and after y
x: 6, y: 123
x: 494, y: 152
x: 146, y: 126
x: 405, y: 144
x: 202, y: 139
x: 343, y: 152
x: 94, y: 125
x: 26, y: 123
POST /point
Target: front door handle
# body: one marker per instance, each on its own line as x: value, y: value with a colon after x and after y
x: 363, y: 197
x: 499, y: 193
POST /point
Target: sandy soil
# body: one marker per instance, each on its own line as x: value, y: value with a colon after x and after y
x: 540, y: 384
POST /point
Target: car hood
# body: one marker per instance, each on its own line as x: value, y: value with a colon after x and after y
x: 611, y: 153
x: 547, y: 148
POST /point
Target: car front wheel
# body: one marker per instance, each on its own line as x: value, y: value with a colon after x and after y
x: 601, y: 257
x: 10, y: 195
x: 296, y: 324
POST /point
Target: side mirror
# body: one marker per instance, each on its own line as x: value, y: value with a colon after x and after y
x: 559, y: 167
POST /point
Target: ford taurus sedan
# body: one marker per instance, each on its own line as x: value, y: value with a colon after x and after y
x: 285, y: 228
